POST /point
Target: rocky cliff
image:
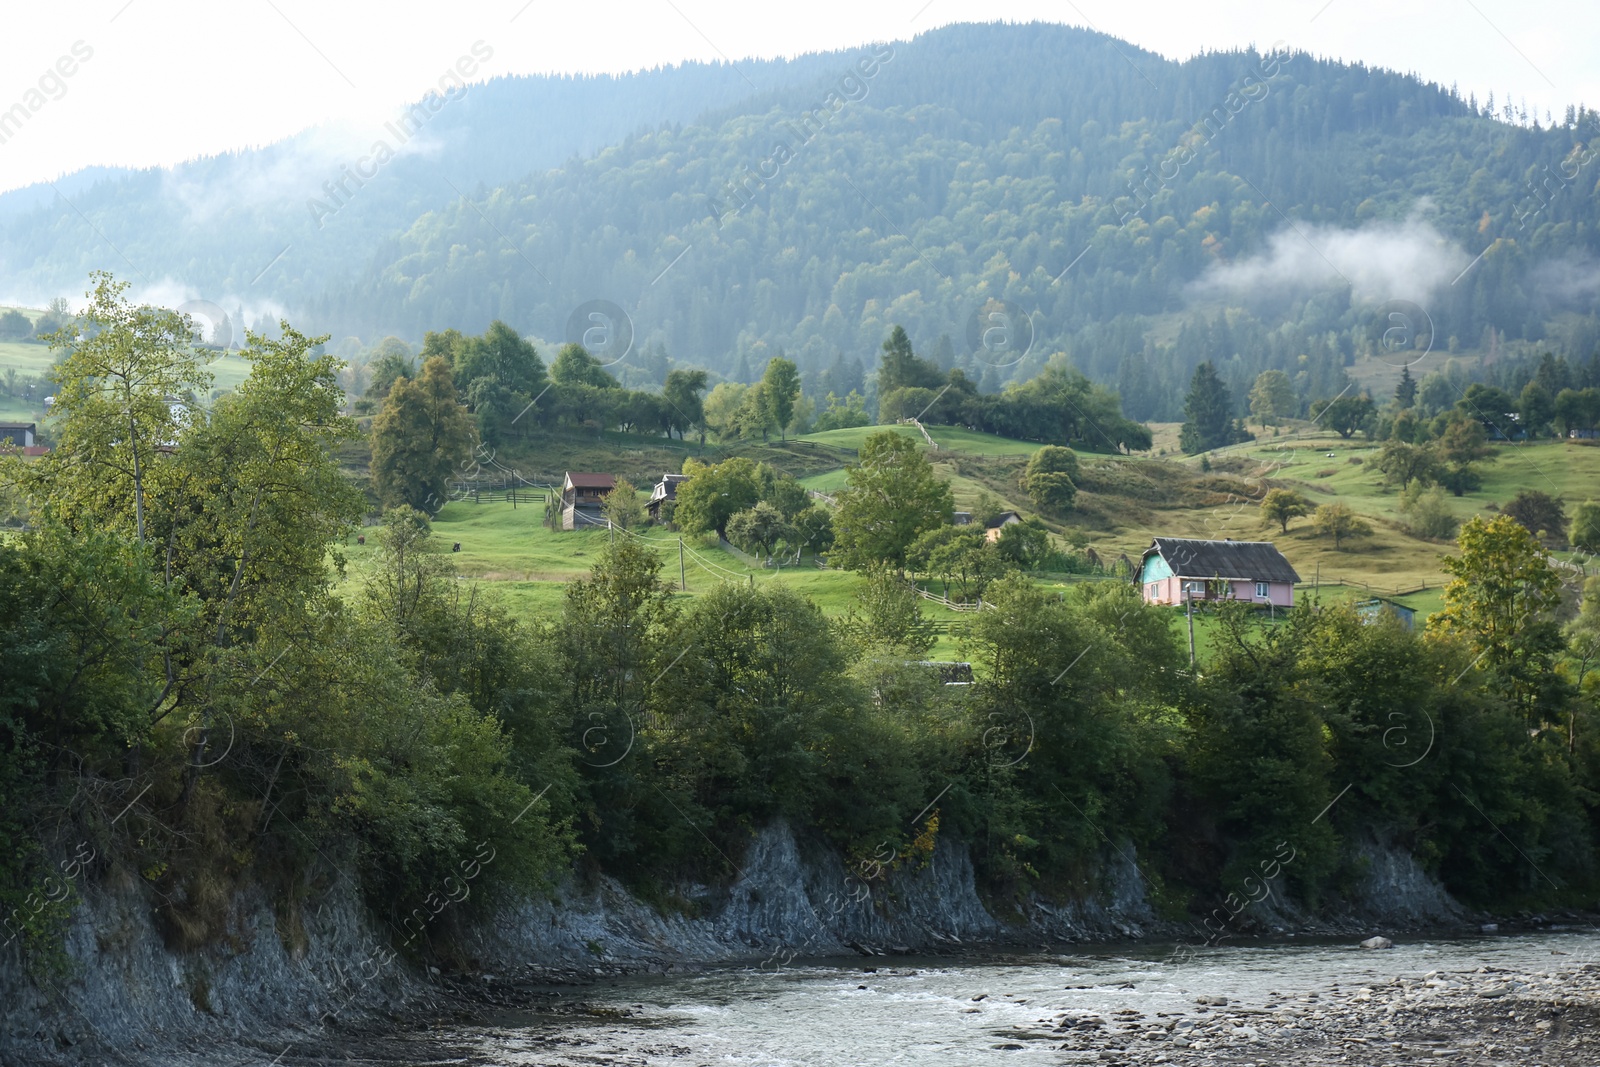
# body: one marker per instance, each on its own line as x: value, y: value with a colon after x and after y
x: 280, y: 982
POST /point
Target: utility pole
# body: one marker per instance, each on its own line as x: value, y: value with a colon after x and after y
x: 683, y: 581
x: 1188, y: 604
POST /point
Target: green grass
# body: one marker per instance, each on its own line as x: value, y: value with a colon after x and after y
x: 527, y: 565
x: 34, y: 361
x: 948, y: 438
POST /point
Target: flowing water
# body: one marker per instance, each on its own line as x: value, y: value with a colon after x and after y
x: 936, y: 1012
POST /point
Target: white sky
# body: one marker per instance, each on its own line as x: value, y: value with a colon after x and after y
x: 173, y: 79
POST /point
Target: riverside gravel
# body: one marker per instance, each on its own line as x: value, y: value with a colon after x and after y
x: 1488, y: 1016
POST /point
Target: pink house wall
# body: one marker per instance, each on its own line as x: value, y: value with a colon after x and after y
x: 1169, y: 590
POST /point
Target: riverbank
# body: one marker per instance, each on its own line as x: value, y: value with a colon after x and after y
x: 1491, y: 1015
x: 324, y: 975
x: 1330, y: 1003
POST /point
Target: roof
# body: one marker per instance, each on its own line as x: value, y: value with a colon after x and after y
x: 667, y: 487
x: 29, y: 426
x: 581, y: 480
x: 1004, y: 518
x: 1254, y: 560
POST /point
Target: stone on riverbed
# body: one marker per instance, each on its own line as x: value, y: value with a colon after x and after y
x: 1377, y: 942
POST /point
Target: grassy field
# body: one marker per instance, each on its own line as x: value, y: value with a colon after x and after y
x: 28, y: 360
x: 948, y: 438
x: 527, y: 564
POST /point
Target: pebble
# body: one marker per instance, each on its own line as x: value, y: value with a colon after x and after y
x: 1493, y: 1014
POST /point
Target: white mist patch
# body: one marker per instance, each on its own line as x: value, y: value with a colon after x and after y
x: 1573, y: 280
x: 1389, y: 261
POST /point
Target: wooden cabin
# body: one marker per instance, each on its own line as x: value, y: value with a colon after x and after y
x: 582, y: 495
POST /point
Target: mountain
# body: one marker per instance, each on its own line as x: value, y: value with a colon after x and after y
x: 209, y: 227
x: 1259, y: 210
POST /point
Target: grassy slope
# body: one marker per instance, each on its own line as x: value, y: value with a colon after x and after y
x: 528, y: 564
x: 30, y: 360
x: 1125, y: 502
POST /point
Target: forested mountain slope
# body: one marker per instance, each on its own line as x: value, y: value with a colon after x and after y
x: 212, y: 225
x: 1095, y: 186
x: 1260, y: 210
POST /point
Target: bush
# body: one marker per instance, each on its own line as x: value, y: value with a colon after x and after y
x: 1426, y: 513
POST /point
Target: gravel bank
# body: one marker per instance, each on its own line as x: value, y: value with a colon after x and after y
x: 1488, y: 1016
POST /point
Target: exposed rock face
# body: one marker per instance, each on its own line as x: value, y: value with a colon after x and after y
x: 274, y: 981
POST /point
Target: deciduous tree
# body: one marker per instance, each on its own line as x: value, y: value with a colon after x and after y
x: 420, y: 436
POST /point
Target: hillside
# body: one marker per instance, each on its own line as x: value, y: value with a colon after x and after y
x: 1123, y: 502
x: 1034, y: 165
x: 1139, y: 214
x: 211, y: 227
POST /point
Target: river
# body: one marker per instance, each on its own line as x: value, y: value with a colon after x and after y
x: 933, y: 1012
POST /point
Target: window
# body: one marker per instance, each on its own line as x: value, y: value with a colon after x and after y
x: 1261, y: 590
x: 1194, y: 589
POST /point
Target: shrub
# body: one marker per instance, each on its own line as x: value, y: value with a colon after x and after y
x: 1425, y: 513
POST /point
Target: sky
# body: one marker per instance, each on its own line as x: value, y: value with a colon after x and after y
x: 154, y: 82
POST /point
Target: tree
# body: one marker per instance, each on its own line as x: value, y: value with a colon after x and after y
x: 813, y: 529
x: 388, y: 369
x: 1426, y: 513
x: 1339, y: 522
x: 901, y: 368
x: 1462, y: 443
x: 685, y: 406
x: 959, y: 554
x: 622, y: 507
x: 1344, y: 415
x: 1585, y: 530
x: 1282, y: 505
x: 1538, y: 512
x: 1576, y: 409
x: 892, y: 498
x: 1050, y: 478
x: 1492, y: 407
x: 843, y: 414
x: 1405, y: 464
x: 127, y: 384
x: 721, y: 409
x: 1025, y: 544
x: 1535, y: 409
x: 1208, y: 412
x: 887, y: 618
x: 14, y: 326
x: 759, y: 528
x: 1405, y: 394
x: 500, y: 354
x: 575, y: 366
x: 756, y: 414
x: 781, y: 384
x: 1501, y: 601
x: 1272, y: 397
x: 419, y: 437
x: 714, y: 493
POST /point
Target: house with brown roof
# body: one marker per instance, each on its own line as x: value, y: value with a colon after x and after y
x: 1177, y: 569
x: 582, y: 494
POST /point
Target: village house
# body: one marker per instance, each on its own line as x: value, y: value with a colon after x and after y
x: 582, y: 495
x: 1176, y: 569
x: 992, y: 528
x: 666, y: 489
x: 20, y: 434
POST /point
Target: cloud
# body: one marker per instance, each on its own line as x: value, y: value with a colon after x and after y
x: 1571, y: 280
x: 1384, y: 261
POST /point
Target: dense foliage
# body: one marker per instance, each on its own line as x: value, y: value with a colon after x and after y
x: 192, y: 701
